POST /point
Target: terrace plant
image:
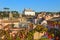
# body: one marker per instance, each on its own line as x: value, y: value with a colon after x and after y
x: 39, y: 28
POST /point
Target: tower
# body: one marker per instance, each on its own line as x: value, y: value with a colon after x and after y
x: 10, y: 15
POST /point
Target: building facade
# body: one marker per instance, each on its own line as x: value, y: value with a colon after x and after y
x: 29, y: 12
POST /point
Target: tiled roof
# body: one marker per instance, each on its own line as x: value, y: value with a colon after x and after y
x: 9, y: 21
x: 55, y: 19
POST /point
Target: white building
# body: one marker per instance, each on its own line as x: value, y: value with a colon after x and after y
x: 29, y: 12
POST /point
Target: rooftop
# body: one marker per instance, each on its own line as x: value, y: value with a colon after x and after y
x: 55, y: 19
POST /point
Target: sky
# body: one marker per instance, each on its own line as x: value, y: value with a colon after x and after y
x: 36, y: 5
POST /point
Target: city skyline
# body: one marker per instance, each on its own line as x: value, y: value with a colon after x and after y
x: 36, y: 5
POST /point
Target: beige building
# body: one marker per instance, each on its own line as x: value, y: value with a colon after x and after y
x: 42, y: 14
x: 48, y: 17
x: 38, y: 35
x: 7, y: 22
x: 56, y: 15
x: 22, y: 19
x: 1, y: 26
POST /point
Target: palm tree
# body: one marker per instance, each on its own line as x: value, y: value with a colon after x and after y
x: 6, y: 12
x: 6, y: 9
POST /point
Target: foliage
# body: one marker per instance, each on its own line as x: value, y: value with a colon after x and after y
x: 30, y: 35
x: 18, y: 38
x: 16, y: 15
x: 40, y: 28
x: 44, y: 39
x: 54, y: 32
x: 6, y: 14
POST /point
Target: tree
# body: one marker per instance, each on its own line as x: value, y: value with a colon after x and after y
x: 30, y: 35
x: 15, y: 14
x: 5, y: 13
x: 18, y: 38
x: 6, y: 9
x: 44, y: 39
x: 40, y: 28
